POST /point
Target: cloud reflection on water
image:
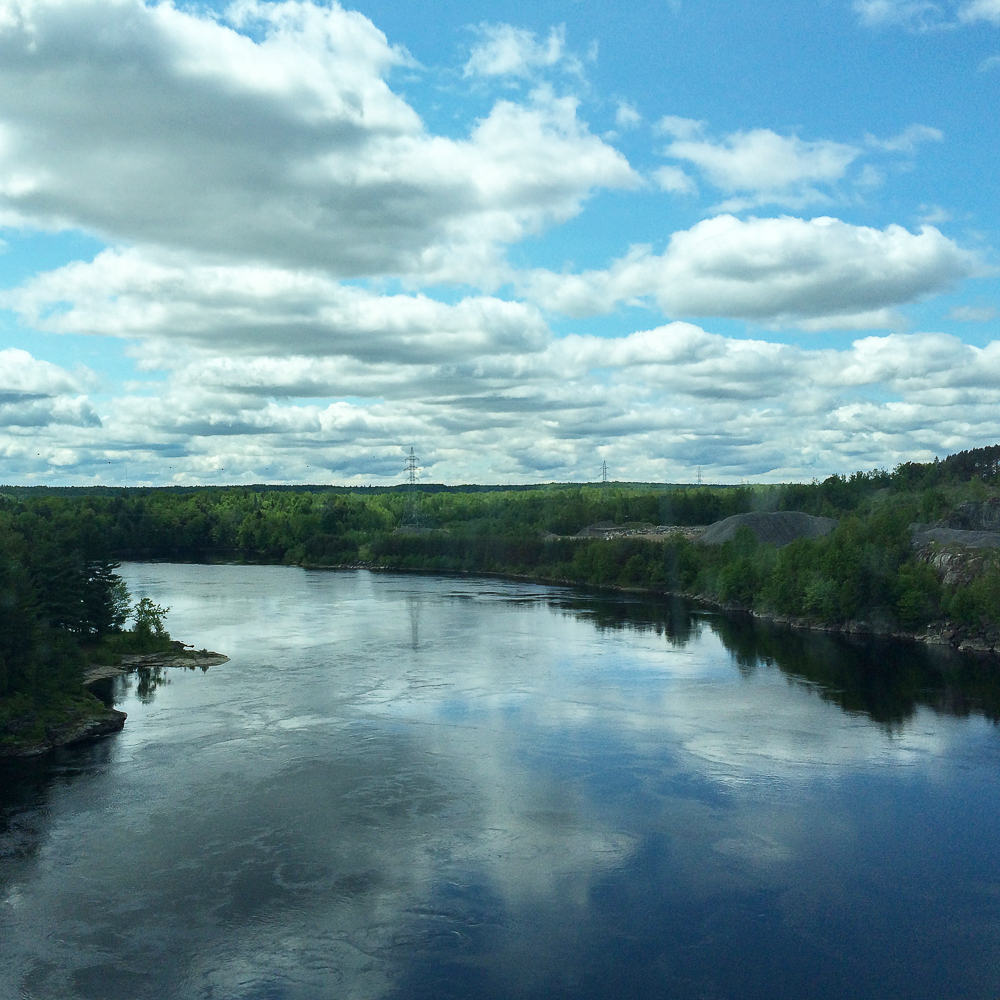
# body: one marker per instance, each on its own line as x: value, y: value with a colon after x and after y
x: 409, y: 786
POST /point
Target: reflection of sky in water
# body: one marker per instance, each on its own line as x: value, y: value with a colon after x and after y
x: 407, y: 786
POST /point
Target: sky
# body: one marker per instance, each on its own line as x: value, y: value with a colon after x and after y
x: 286, y: 242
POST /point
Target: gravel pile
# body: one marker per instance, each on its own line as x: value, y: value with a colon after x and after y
x: 775, y: 528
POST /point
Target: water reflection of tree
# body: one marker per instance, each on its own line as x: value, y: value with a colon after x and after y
x: 146, y: 681
x: 26, y: 785
x: 671, y: 617
x: 884, y: 679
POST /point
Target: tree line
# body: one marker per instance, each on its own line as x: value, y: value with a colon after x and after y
x: 60, y: 597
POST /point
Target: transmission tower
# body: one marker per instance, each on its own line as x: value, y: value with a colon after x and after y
x: 410, y: 517
x: 604, y: 472
x: 699, y: 475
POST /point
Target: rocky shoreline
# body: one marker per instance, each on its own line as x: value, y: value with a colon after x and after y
x: 68, y: 732
x: 937, y: 634
x: 942, y: 633
x: 183, y: 657
x: 84, y: 718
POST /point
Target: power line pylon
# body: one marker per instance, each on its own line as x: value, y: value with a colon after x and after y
x: 604, y: 472
x: 410, y: 518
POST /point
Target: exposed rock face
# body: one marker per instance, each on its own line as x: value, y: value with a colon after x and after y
x: 974, y: 515
x: 923, y: 535
x: 963, y: 545
x: 957, y: 557
x: 112, y: 722
x: 772, y: 528
x: 69, y: 734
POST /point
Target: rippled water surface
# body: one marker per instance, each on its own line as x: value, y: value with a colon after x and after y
x: 410, y: 786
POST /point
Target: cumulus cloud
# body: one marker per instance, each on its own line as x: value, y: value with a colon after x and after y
x: 504, y: 50
x: 163, y: 126
x: 658, y: 402
x: 37, y: 394
x: 760, y: 163
x: 760, y: 167
x: 136, y: 294
x: 244, y: 164
x: 820, y: 273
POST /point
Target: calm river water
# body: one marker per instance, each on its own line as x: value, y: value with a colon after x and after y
x: 413, y: 786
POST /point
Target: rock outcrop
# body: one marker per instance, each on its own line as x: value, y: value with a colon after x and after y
x: 974, y: 515
x: 963, y: 545
x: 187, y: 658
x: 70, y: 732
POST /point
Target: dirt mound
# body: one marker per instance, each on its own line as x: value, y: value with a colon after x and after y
x: 775, y: 528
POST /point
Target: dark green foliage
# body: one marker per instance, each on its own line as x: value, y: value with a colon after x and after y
x: 979, y: 463
x: 977, y: 603
x: 58, y: 589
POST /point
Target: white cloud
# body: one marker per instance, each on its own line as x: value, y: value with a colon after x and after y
x: 973, y: 314
x: 626, y: 116
x: 36, y: 394
x: 933, y: 215
x: 658, y: 403
x: 767, y: 166
x: 254, y: 159
x: 818, y: 274
x: 508, y: 51
x: 162, y: 126
x: 990, y: 63
x: 136, y: 294
x: 680, y: 128
x: 907, y: 140
x: 917, y: 14
x: 923, y: 15
x: 980, y: 10
x: 674, y: 180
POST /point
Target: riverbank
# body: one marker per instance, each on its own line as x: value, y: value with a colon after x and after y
x: 29, y: 727
x: 983, y: 639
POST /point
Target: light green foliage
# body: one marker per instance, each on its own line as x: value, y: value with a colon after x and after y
x: 59, y: 592
x: 147, y: 620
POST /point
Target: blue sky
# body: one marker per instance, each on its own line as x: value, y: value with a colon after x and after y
x: 285, y: 242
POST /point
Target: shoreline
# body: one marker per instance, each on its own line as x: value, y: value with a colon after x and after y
x: 80, y: 716
x: 941, y: 633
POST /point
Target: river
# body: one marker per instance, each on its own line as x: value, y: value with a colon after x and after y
x: 407, y: 786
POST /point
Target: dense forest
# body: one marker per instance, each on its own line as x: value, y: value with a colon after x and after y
x: 60, y: 599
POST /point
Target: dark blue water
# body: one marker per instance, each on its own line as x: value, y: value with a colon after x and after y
x: 406, y: 786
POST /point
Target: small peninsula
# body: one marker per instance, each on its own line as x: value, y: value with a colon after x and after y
x: 913, y: 552
x: 28, y: 729
x: 64, y: 630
